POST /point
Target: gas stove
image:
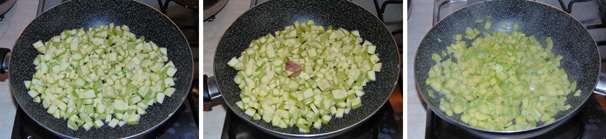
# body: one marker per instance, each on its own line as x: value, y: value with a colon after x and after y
x: 590, y: 121
x: 184, y: 123
x: 386, y: 123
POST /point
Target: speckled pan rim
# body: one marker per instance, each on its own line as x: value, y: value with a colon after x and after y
x: 131, y: 136
x: 321, y: 134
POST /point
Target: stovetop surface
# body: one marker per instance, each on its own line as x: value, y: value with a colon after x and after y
x: 589, y: 123
x: 382, y: 125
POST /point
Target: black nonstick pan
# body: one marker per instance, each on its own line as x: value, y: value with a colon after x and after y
x: 571, y: 40
x: 274, y: 15
x: 141, y: 19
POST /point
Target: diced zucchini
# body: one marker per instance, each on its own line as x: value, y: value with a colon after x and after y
x: 87, y: 126
x: 119, y: 106
x: 113, y: 123
x: 317, y: 124
x: 335, y: 65
x: 356, y: 103
x: 324, y: 84
x: 133, y: 119
x: 160, y: 97
x: 371, y: 76
x: 340, y: 112
x: 98, y: 124
x: 121, y: 123
x: 250, y: 112
x: 33, y: 93
x: 72, y: 125
x: 498, y: 82
x: 141, y: 110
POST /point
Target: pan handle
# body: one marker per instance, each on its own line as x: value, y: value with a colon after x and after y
x: 5, y: 55
x: 600, y: 88
x: 211, y: 91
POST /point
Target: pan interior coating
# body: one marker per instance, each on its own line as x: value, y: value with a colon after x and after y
x: 264, y: 19
x: 570, y: 38
x: 142, y: 20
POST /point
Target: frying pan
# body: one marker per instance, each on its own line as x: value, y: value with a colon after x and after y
x: 570, y: 38
x: 141, y: 19
x: 274, y: 15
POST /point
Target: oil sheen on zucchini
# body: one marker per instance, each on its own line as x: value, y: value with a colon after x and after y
x: 502, y: 82
x: 101, y: 76
x: 336, y: 65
